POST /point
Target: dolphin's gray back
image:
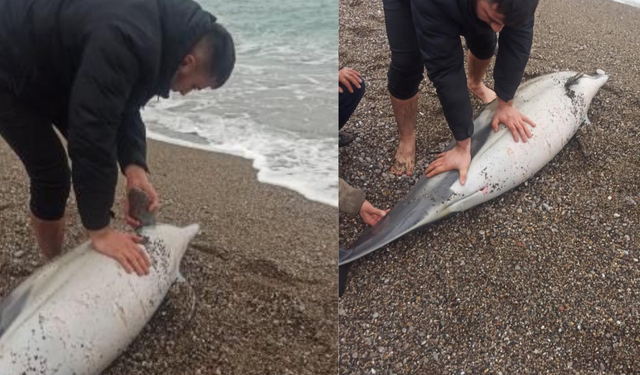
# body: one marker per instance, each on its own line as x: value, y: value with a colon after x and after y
x: 425, y: 196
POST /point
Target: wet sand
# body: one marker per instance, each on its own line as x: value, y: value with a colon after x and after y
x: 263, y: 269
x: 544, y: 279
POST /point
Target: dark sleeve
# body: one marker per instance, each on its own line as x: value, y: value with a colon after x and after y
x: 98, y: 98
x: 350, y: 199
x: 442, y: 54
x: 132, y: 141
x: 513, y: 55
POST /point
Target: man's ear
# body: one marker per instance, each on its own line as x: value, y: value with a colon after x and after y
x: 188, y: 60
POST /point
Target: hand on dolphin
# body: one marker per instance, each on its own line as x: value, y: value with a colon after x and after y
x: 122, y: 247
x: 371, y: 215
x: 515, y: 121
x: 458, y: 158
x: 137, y: 179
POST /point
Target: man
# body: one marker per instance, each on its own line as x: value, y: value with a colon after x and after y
x: 351, y: 200
x: 87, y: 66
x: 428, y: 31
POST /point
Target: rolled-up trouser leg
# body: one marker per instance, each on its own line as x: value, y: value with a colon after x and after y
x: 347, y: 102
x: 37, y: 145
x: 406, y: 69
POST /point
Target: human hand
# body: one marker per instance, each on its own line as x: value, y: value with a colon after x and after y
x: 371, y: 215
x: 457, y: 158
x: 515, y: 121
x: 123, y: 247
x: 137, y: 179
x: 348, y: 76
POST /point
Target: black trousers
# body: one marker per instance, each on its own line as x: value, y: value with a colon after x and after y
x: 32, y: 137
x: 406, y: 68
x: 348, y: 102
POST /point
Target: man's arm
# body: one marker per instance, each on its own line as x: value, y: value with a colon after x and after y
x: 132, y: 141
x: 513, y: 55
x: 98, y: 98
x: 353, y: 202
x: 350, y: 199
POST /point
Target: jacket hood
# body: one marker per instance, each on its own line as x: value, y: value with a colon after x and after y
x: 183, y: 22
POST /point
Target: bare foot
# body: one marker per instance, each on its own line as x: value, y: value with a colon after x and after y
x: 405, y: 159
x: 482, y: 92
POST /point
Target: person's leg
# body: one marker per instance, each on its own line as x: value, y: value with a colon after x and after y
x: 406, y: 114
x: 404, y: 77
x: 37, y: 145
x: 347, y: 102
x: 481, y: 49
x: 49, y: 235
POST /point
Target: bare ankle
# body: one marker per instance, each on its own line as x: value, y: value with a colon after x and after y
x: 407, y: 141
x: 474, y: 85
x: 49, y: 235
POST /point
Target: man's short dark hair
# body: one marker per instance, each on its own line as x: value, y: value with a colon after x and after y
x: 516, y: 12
x: 219, y: 44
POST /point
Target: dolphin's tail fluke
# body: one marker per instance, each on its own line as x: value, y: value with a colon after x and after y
x: 415, y: 210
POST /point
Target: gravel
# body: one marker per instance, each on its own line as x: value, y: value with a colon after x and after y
x: 544, y: 279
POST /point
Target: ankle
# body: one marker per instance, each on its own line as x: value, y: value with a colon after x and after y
x: 49, y: 235
x: 407, y: 140
x: 474, y: 84
x: 51, y: 253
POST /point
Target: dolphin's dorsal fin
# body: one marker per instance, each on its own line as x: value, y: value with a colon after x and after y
x: 138, y: 204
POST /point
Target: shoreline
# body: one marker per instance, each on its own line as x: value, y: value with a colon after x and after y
x: 262, y: 268
x: 256, y: 162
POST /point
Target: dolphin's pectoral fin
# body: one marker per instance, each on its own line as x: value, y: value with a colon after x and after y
x: 468, y: 202
x: 585, y: 121
x: 180, y: 278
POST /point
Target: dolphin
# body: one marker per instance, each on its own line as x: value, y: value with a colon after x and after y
x: 557, y: 103
x: 78, y: 313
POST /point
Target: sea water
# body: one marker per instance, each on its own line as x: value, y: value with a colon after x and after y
x: 280, y: 106
x: 635, y: 3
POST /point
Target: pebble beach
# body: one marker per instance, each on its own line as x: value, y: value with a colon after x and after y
x: 542, y: 280
x: 261, y: 288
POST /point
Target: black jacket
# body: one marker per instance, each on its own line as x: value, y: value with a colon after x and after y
x: 90, y: 65
x: 439, y: 24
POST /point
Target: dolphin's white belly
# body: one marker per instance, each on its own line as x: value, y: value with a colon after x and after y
x: 502, y: 164
x: 78, y: 313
